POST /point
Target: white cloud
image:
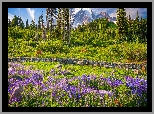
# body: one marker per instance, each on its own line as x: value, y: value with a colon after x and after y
x: 10, y: 16
x: 31, y: 12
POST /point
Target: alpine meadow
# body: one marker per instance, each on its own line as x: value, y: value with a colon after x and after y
x: 83, y: 58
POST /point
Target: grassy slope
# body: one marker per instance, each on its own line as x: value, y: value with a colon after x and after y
x: 109, y: 51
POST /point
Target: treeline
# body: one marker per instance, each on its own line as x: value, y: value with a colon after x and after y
x: 126, y: 29
x: 95, y: 32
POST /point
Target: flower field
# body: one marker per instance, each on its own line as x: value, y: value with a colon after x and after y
x: 52, y: 85
x: 98, y: 64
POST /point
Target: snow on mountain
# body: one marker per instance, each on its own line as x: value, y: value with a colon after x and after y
x: 81, y: 15
x: 88, y: 12
x: 85, y: 15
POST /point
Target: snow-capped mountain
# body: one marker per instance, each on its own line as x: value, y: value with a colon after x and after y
x: 82, y: 16
x: 85, y: 15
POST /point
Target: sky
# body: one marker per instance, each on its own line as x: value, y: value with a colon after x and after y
x: 34, y: 13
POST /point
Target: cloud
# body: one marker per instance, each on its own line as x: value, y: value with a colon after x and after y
x: 10, y: 16
x: 31, y: 12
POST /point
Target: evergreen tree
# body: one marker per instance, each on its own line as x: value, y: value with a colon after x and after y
x: 144, y: 30
x: 33, y: 24
x: 122, y: 23
x: 17, y: 21
x: 27, y: 25
x: 14, y: 21
x: 51, y: 13
x: 39, y: 21
x: 21, y: 23
x: 136, y: 24
x: 130, y: 29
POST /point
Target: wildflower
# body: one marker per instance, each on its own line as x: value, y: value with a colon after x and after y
x: 103, y: 92
x: 21, y: 72
x: 116, y: 101
x: 28, y: 72
x: 11, y: 71
x: 37, y: 77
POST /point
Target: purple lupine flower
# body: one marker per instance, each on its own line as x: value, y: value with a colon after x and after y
x: 28, y: 72
x: 134, y: 91
x: 70, y: 95
x: 88, y: 78
x: 109, y: 81
x: 53, y: 94
x: 73, y: 91
x: 117, y: 83
x: 11, y: 71
x: 86, y: 90
x: 37, y: 78
x: 50, y: 79
x: 27, y: 81
x: 79, y: 96
x: 84, y: 77
x: 11, y: 80
x: 21, y: 72
x: 136, y: 85
x: 103, y: 92
x: 139, y: 92
x: 15, y: 100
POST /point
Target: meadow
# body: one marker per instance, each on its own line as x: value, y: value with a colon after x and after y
x: 49, y: 85
x: 54, y: 84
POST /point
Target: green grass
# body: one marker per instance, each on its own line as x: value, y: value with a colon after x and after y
x: 78, y: 70
x: 109, y: 51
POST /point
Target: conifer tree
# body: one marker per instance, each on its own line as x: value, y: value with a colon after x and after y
x: 122, y: 23
x: 130, y: 29
x: 51, y: 13
x: 27, y: 25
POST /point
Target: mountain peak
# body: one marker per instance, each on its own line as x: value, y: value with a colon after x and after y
x: 85, y: 15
